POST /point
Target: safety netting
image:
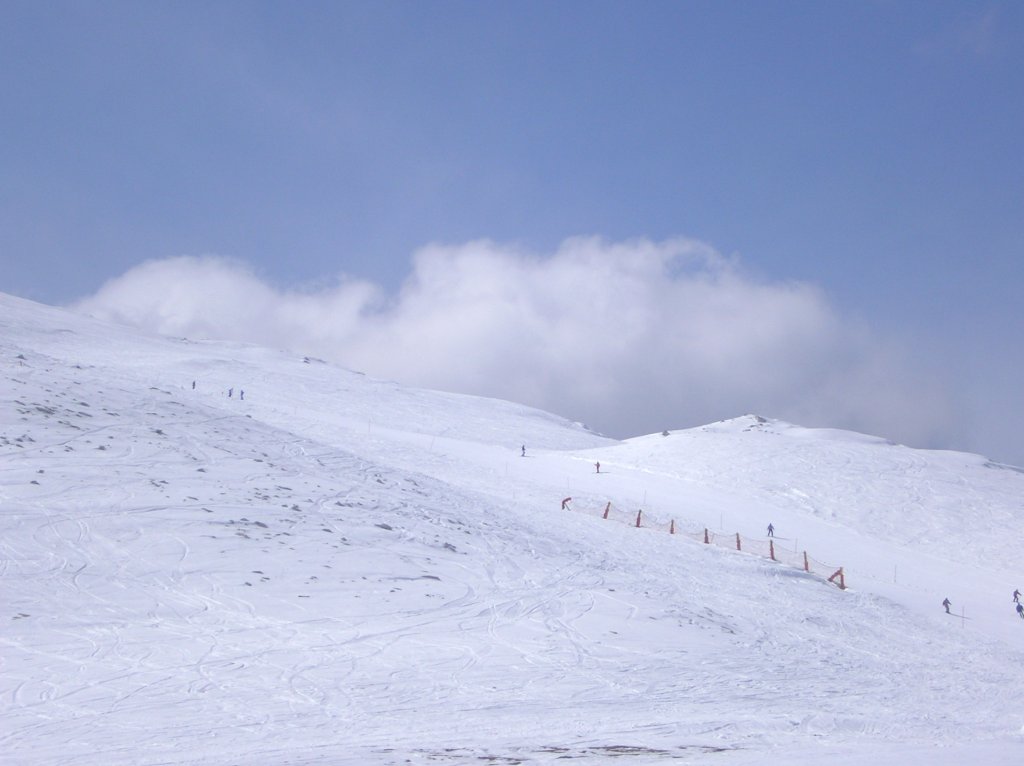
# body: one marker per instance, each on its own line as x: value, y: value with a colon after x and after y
x: 766, y: 547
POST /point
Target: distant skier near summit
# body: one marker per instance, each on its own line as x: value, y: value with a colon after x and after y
x: 1020, y: 610
x: 771, y: 530
x: 1016, y: 596
x: 947, y: 603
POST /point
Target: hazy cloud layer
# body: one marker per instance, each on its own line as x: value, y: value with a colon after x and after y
x: 630, y: 337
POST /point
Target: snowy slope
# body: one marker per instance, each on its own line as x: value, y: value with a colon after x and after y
x: 339, y: 570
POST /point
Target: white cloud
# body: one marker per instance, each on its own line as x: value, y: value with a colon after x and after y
x: 630, y: 337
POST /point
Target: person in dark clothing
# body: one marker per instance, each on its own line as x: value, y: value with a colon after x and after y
x: 771, y: 530
x: 523, y: 454
x: 1020, y: 610
x: 947, y: 603
x: 1016, y: 596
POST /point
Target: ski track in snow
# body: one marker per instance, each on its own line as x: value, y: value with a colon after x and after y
x: 339, y: 570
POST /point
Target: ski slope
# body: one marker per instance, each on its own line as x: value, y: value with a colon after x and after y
x: 340, y: 570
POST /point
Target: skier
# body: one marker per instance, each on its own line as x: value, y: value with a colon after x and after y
x: 230, y: 392
x: 565, y: 503
x: 193, y: 385
x: 241, y: 394
x: 523, y: 454
x: 598, y: 466
x: 771, y: 530
x: 947, y: 603
x: 1020, y: 610
x: 1016, y: 596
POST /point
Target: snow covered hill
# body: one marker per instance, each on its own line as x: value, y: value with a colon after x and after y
x: 338, y: 570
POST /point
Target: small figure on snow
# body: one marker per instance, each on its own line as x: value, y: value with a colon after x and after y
x: 947, y: 603
x: 241, y: 394
x: 1020, y: 610
x: 771, y: 530
x: 597, y: 465
x: 193, y: 385
x: 1016, y: 596
x: 523, y: 454
x: 231, y: 392
x: 565, y: 503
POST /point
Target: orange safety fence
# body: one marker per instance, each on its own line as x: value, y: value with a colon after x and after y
x: 768, y: 547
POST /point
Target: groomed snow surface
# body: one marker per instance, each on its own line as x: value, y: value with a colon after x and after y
x: 338, y: 570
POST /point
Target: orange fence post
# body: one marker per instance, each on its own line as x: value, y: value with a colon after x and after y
x: 771, y: 549
x: 842, y: 579
x: 672, y: 527
x: 638, y: 513
x: 606, y: 509
x: 707, y: 541
x: 807, y: 564
x: 738, y: 546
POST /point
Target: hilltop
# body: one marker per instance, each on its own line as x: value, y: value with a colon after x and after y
x: 341, y: 570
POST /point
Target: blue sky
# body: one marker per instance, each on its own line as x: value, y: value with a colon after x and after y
x: 869, y: 150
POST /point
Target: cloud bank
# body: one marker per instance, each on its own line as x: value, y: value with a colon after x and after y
x: 630, y: 337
